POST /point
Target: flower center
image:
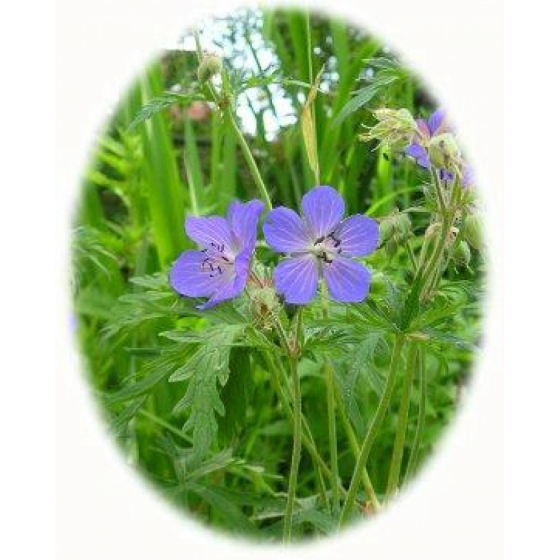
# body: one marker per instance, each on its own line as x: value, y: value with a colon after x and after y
x: 327, y: 247
x: 217, y: 260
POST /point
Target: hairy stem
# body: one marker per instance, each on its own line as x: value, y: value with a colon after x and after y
x: 247, y: 154
x: 372, y: 430
x: 416, y: 444
x: 437, y: 255
x: 293, y: 354
x: 400, y: 437
x: 331, y: 414
x: 333, y: 449
x: 307, y: 436
x: 224, y: 101
x: 355, y: 448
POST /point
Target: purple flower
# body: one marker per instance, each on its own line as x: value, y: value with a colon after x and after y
x: 426, y: 131
x: 220, y: 269
x: 321, y: 245
x: 436, y: 125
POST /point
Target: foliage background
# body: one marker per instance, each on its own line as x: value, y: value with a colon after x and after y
x: 148, y: 173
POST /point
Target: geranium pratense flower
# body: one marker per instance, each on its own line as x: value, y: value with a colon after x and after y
x: 321, y: 245
x: 220, y: 269
x: 426, y: 130
x: 435, y: 144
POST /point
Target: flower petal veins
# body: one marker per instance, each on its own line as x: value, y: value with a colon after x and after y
x: 347, y: 280
x: 296, y: 279
x: 221, y: 268
x: 436, y: 122
x: 358, y: 235
x: 323, y: 209
x: 233, y: 288
x: 419, y: 153
x: 285, y: 231
x: 210, y: 232
x: 243, y: 220
x: 190, y: 278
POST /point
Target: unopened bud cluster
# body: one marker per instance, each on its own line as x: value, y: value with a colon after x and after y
x: 396, y: 128
x: 265, y: 305
x: 395, y: 230
x: 210, y: 65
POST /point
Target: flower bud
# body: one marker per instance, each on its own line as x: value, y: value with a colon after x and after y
x: 473, y: 231
x: 396, y: 128
x: 395, y: 227
x: 391, y: 247
x: 432, y: 230
x: 210, y: 65
x: 403, y: 225
x: 265, y: 305
x: 461, y: 254
x: 444, y: 151
x: 387, y: 229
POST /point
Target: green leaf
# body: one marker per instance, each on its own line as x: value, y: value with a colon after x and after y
x: 308, y: 128
x: 325, y: 523
x: 159, y: 103
x: 365, y: 95
x: 207, y: 368
x: 119, y: 422
x: 237, y: 392
x: 140, y: 387
x: 236, y: 520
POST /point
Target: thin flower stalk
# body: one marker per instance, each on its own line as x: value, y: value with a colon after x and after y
x: 297, y: 435
x: 328, y: 374
x: 307, y: 436
x: 355, y: 448
x: 372, y: 431
x: 402, y: 422
x: 417, y: 442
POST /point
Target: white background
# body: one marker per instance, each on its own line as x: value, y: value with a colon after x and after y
x: 455, y: 510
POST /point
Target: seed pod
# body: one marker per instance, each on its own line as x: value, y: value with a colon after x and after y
x: 461, y: 254
x: 210, y: 65
x: 473, y: 231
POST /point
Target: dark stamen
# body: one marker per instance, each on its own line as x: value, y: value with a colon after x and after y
x: 216, y: 271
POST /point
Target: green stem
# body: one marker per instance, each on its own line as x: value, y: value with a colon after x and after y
x: 416, y: 444
x: 249, y: 158
x: 355, y: 448
x: 309, y: 50
x: 400, y: 437
x: 434, y: 262
x: 225, y: 99
x: 439, y: 191
x: 372, y: 430
x: 333, y: 449
x: 331, y: 414
x: 411, y: 256
x: 307, y: 436
x: 296, y: 450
